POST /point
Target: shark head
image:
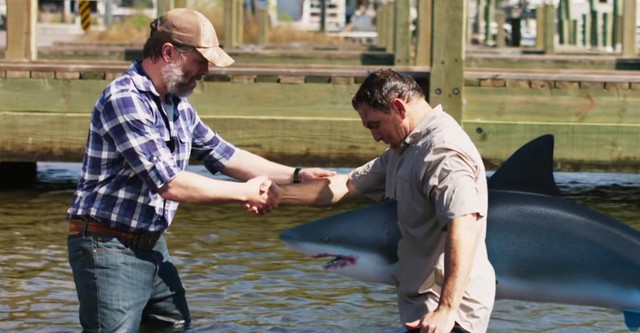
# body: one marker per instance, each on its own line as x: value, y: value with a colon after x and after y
x: 356, y: 249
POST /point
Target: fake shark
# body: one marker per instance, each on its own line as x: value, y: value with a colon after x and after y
x: 543, y: 248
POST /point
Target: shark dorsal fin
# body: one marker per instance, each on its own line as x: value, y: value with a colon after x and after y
x: 529, y: 169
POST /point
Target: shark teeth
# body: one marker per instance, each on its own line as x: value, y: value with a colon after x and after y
x: 337, y: 261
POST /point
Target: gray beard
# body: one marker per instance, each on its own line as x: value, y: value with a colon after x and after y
x: 175, y: 80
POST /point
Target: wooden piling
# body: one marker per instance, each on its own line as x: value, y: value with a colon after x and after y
x: 616, y: 29
x: 549, y: 28
x: 263, y: 22
x: 500, y: 36
x: 238, y: 23
x: 423, y: 44
x: 21, y: 30
x: 629, y: 49
x: 447, y: 68
x: 391, y: 24
x: 594, y: 23
x: 233, y: 18
x: 489, y: 17
x: 403, y: 38
x: 480, y: 21
x: 540, y: 27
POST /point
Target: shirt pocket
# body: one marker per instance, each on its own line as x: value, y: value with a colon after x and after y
x: 183, y: 146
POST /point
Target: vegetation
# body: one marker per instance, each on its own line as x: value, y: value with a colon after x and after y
x: 135, y: 29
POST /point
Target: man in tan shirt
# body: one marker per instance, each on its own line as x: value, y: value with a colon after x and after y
x: 445, y: 282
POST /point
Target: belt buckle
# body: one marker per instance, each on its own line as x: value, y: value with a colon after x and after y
x: 145, y: 241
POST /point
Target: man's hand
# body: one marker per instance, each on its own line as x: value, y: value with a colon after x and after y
x: 263, y: 195
x: 438, y: 321
x: 309, y: 174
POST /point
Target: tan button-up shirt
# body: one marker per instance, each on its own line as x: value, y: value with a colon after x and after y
x: 439, y: 175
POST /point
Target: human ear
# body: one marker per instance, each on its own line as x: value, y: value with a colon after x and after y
x: 167, y: 52
x: 399, y: 107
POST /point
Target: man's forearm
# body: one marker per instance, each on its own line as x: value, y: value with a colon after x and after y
x: 319, y: 192
x: 459, y: 258
x: 193, y: 188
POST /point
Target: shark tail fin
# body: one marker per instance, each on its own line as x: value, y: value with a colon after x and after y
x: 632, y: 319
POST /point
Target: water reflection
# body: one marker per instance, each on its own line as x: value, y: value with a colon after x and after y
x: 240, y: 278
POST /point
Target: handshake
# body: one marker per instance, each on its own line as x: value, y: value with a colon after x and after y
x: 264, y: 194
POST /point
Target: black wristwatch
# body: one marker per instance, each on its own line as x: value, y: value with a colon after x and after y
x: 296, y: 175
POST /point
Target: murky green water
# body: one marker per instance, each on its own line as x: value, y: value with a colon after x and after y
x: 240, y: 278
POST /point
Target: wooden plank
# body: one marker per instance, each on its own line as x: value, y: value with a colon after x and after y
x: 56, y: 96
x: 310, y: 141
x: 539, y: 61
x: 315, y: 98
x: 556, y: 75
x: 578, y: 147
x: 275, y: 99
x: 552, y: 105
x: 23, y: 137
x: 292, y: 79
x: 344, y: 71
x: 297, y: 140
x: 243, y: 78
x: 47, y: 119
x: 11, y: 74
x: 210, y: 98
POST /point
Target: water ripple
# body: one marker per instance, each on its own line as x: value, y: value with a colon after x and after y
x: 240, y: 278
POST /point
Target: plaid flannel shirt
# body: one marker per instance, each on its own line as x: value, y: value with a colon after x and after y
x: 133, y: 149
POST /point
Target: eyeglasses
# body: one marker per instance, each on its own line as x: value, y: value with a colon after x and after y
x: 183, y: 48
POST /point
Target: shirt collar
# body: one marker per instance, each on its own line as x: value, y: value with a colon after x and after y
x: 142, y: 82
x: 141, y: 79
x: 419, y: 131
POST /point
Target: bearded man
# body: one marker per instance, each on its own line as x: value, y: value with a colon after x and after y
x: 142, y: 133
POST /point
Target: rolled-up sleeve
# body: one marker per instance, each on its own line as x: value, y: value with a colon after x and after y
x: 370, y: 178
x: 209, y: 147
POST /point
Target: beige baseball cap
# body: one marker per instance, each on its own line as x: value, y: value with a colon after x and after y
x: 190, y: 28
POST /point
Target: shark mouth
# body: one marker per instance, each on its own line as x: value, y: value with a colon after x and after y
x: 337, y: 261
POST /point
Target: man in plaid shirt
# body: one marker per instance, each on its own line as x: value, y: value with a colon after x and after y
x: 142, y: 132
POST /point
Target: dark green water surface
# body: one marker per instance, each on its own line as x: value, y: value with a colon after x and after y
x: 239, y: 276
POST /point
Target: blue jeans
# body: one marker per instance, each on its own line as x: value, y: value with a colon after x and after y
x: 119, y: 287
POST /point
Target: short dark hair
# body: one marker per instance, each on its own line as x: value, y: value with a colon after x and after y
x: 153, y: 46
x: 381, y: 87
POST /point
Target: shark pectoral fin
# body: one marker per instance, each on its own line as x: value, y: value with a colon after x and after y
x: 632, y: 319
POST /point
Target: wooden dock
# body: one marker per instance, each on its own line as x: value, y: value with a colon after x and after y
x: 301, y: 114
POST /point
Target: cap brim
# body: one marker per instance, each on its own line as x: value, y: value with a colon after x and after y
x: 216, y: 56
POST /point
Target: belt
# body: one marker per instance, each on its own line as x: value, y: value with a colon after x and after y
x: 143, y: 240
